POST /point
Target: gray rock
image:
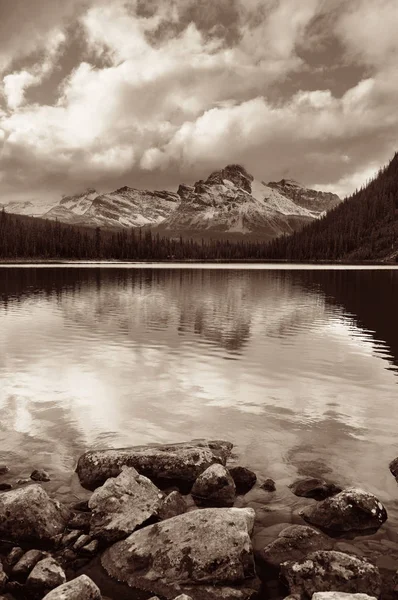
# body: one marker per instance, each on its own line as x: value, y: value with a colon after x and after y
x: 29, y: 514
x: 268, y: 485
x: 122, y: 504
x: 91, y: 548
x: 14, y: 555
x: 341, y: 596
x: 82, y: 541
x: 350, y: 510
x: 323, y: 571
x: 70, y: 538
x: 45, y: 576
x: 176, y: 462
x: 316, y: 488
x: 189, y: 554
x: 3, y: 578
x: 244, y: 479
x: 173, y: 505
x: 294, y: 543
x: 40, y: 475
x: 25, y: 564
x: 81, y: 588
x: 214, y: 487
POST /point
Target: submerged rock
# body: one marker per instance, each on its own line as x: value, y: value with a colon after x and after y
x: 293, y: 543
x: 173, y: 505
x: 311, y: 487
x: 122, y: 504
x: 323, y: 571
x: 176, y: 462
x: 214, y: 487
x: 4, y: 469
x: 29, y: 514
x: 268, y: 485
x: 81, y: 588
x: 188, y: 554
x: 350, y: 510
x: 40, y: 475
x: 45, y: 576
x: 394, y: 467
x: 244, y: 479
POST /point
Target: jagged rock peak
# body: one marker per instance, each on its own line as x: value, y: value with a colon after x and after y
x: 123, y: 189
x: 235, y: 173
x: 284, y: 183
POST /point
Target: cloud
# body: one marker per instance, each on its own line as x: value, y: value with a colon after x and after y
x: 162, y: 92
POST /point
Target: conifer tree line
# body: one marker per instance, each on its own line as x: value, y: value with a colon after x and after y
x: 363, y: 227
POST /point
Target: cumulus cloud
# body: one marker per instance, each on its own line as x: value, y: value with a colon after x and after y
x: 162, y: 92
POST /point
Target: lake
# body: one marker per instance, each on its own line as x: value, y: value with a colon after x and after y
x: 297, y: 366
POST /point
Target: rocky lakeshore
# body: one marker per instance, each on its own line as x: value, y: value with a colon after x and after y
x: 187, y: 521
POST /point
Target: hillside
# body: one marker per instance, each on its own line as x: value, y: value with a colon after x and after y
x: 363, y: 227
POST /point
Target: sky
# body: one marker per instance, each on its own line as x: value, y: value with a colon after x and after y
x: 154, y: 93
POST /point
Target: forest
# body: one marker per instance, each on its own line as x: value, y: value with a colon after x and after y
x: 362, y: 228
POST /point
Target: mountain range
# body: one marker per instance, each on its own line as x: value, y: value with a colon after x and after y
x: 229, y: 203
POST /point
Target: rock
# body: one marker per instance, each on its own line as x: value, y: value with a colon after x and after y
x: 14, y: 555
x: 244, y: 479
x: 70, y: 538
x: 45, y: 576
x: 183, y: 597
x: 3, y: 578
x: 177, y: 462
x: 323, y: 571
x: 81, y: 588
x: 394, y: 467
x: 350, y: 510
x: 188, y: 554
x: 5, y: 487
x: 81, y: 506
x: 40, y: 475
x: 293, y: 543
x: 311, y: 487
x: 4, y: 470
x: 173, y: 505
x: 91, y: 548
x: 25, y: 564
x: 82, y: 541
x: 268, y: 485
x: 214, y: 487
x: 340, y: 596
x: 122, y: 504
x: 29, y: 514
x: 81, y: 520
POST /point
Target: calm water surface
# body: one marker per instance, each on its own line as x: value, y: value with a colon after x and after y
x: 299, y: 368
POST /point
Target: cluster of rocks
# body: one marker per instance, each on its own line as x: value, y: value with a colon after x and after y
x: 162, y: 519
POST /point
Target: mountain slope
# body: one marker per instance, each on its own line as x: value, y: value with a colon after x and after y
x: 316, y: 202
x: 363, y: 227
x: 231, y: 201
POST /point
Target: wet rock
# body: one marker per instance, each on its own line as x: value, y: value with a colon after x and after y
x: 244, y: 479
x: 350, y: 510
x: 5, y: 487
x: 40, y: 475
x: 81, y: 588
x: 176, y: 462
x: 14, y: 555
x: 394, y: 467
x: 323, y: 571
x: 4, y: 470
x: 25, y: 564
x: 45, y: 576
x: 122, y: 504
x: 188, y: 554
x: 80, y: 520
x: 268, y: 485
x: 293, y: 543
x: 311, y: 487
x: 214, y: 487
x: 29, y: 514
x: 341, y: 596
x: 3, y: 578
x: 173, y: 505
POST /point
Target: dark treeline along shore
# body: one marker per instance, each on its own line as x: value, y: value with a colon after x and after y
x: 362, y: 228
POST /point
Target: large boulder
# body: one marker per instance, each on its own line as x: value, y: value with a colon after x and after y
x: 293, y: 543
x: 350, y: 510
x: 29, y: 514
x: 189, y: 554
x: 323, y: 571
x: 45, y: 576
x: 214, y: 487
x: 81, y: 588
x: 122, y: 504
x: 176, y: 462
x: 316, y: 488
